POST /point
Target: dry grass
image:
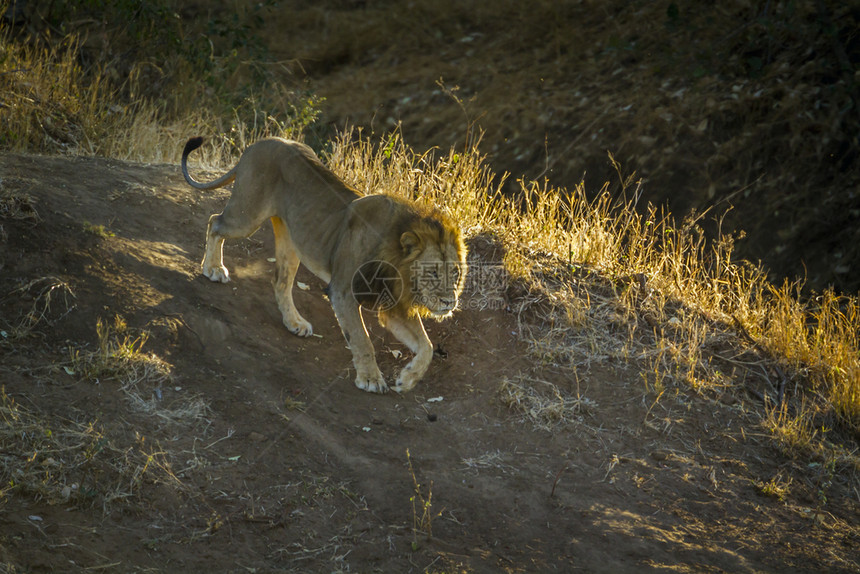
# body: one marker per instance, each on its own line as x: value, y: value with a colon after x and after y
x: 15, y: 206
x: 120, y: 357
x: 45, y: 460
x: 59, y: 460
x: 49, y: 103
x: 64, y: 459
x: 542, y: 403
x: 598, y: 280
x: 50, y: 299
x: 422, y: 506
x: 141, y: 376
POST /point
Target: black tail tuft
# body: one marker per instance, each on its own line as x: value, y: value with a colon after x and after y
x: 192, y: 145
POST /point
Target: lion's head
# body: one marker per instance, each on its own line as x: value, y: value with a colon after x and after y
x: 423, y: 267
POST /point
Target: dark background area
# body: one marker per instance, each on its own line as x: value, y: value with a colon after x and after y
x: 744, y: 111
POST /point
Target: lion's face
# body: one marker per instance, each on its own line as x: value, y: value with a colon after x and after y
x: 437, y: 278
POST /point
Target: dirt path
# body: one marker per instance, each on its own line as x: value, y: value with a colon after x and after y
x: 262, y: 456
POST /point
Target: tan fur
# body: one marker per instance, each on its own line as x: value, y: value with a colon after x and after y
x: 342, y: 237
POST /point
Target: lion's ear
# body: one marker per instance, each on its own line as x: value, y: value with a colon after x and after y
x: 410, y: 242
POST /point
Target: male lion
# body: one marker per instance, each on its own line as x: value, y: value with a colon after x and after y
x: 375, y: 251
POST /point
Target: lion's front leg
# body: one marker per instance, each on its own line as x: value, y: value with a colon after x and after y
x: 410, y: 331
x: 368, y: 377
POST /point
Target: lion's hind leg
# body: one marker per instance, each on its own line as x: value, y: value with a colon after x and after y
x: 235, y: 222
x: 286, y: 264
x: 213, y: 259
x: 410, y: 331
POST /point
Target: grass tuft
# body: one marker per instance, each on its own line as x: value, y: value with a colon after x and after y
x: 15, y: 206
x: 422, y: 507
x: 141, y: 376
x: 49, y: 462
x: 99, y: 231
x: 50, y: 299
x: 542, y: 403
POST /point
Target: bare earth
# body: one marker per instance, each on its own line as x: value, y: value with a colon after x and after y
x: 291, y: 468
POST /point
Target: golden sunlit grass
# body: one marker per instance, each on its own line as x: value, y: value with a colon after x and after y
x: 120, y: 357
x: 49, y: 103
x: 605, y: 280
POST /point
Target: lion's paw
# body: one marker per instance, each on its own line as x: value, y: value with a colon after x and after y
x: 372, y: 384
x: 218, y: 274
x: 405, y: 382
x: 300, y: 327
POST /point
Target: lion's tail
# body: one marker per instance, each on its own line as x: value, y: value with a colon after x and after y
x: 225, y: 179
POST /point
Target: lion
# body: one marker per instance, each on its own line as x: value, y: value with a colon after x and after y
x: 402, y: 260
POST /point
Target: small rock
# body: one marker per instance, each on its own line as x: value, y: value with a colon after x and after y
x: 431, y: 417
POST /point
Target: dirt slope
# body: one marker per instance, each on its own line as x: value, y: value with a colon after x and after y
x: 253, y: 483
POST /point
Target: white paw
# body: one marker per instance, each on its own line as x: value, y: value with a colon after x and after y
x: 372, y: 384
x: 300, y: 327
x: 218, y: 274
